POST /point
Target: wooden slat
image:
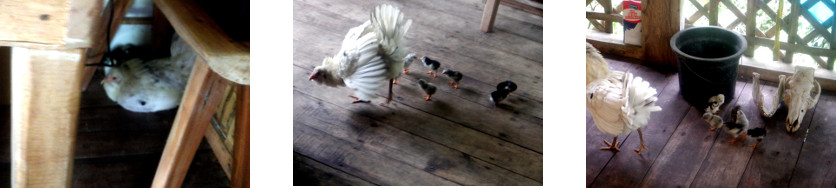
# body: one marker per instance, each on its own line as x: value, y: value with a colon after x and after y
x: 45, y: 101
x: 701, y: 11
x: 383, y: 138
x: 815, y: 162
x: 773, y: 162
x: 161, y: 33
x: 598, y: 26
x: 725, y: 162
x: 770, y: 70
x: 202, y: 95
x: 655, y: 134
x: 99, y: 43
x: 605, y: 17
x: 226, y: 57
x: 713, y: 12
x: 367, y: 165
x: 691, y: 141
x: 660, y: 20
x: 751, y: 29
x: 241, y: 150
x: 524, y: 7
x: 489, y: 15
x: 798, y: 48
x: 477, y: 79
x: 41, y: 22
x: 607, y: 5
x: 792, y: 31
x: 610, y: 46
x: 222, y: 153
x: 818, y: 27
x: 309, y: 172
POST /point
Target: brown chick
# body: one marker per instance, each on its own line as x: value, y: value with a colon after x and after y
x: 738, y: 125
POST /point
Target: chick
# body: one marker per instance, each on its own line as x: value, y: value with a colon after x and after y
x: 738, y: 125
x: 455, y: 75
x: 715, y: 102
x: 407, y: 61
x: 757, y: 133
x: 432, y: 64
x: 508, y: 86
x: 714, y: 120
x: 428, y: 88
x: 498, y: 95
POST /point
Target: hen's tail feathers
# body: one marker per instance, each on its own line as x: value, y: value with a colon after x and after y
x: 641, y: 101
x: 767, y: 111
x: 391, y: 28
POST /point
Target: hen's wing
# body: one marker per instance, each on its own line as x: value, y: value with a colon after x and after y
x: 361, y: 66
x: 641, y: 101
x: 604, y: 100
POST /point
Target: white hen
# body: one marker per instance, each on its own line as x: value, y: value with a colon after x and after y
x: 150, y: 86
x: 371, y: 54
x: 618, y: 102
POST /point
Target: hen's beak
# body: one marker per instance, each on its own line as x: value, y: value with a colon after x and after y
x: 312, y: 76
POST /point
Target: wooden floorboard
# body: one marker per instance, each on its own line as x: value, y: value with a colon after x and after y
x: 687, y: 154
x: 459, y: 138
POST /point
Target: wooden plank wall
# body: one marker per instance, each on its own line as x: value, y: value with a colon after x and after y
x: 459, y: 138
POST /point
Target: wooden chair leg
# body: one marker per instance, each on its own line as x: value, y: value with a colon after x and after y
x: 202, y: 96
x: 45, y: 100
x: 97, y: 52
x: 241, y: 152
x: 489, y: 15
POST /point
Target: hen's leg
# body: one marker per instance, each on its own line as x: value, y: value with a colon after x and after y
x: 389, y: 98
x: 357, y: 100
x: 405, y: 70
x: 395, y: 81
x: 642, y: 147
x: 613, y: 146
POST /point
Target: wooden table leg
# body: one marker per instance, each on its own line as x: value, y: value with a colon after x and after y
x: 46, y: 96
x: 241, y: 152
x: 489, y: 15
x: 203, y: 94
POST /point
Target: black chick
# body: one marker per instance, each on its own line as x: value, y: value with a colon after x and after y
x: 498, y: 95
x: 508, y: 86
x: 428, y: 88
x: 455, y: 75
x: 757, y: 133
x: 738, y: 125
x: 432, y: 64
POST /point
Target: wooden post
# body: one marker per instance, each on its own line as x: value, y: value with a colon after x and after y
x: 161, y: 32
x: 607, y: 4
x: 751, y: 9
x: 202, y: 96
x: 489, y: 15
x: 792, y: 31
x: 46, y: 92
x: 713, y: 12
x: 832, y: 59
x: 660, y: 20
x: 241, y: 151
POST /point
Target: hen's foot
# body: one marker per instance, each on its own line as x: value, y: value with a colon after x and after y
x: 613, y: 146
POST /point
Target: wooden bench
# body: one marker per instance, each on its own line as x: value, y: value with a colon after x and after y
x: 491, y: 6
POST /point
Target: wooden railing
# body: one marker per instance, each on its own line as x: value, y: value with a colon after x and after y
x: 794, y: 11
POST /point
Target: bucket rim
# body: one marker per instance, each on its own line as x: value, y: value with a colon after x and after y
x: 739, y: 37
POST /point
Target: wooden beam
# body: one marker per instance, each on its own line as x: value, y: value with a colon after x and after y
x: 611, y: 46
x: 605, y: 17
x: 798, y: 48
x: 660, y: 21
x: 713, y: 12
x: 48, y: 24
x: 792, y: 31
x: 96, y: 53
x: 222, y: 153
x: 751, y: 29
x: 161, y: 32
x: 227, y: 57
x: 45, y: 103
x: 241, y: 151
x: 489, y: 15
x: 607, y: 4
x: 770, y: 70
x: 523, y: 7
x: 202, y: 96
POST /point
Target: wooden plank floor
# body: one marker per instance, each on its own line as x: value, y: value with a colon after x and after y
x: 119, y: 148
x: 684, y: 153
x: 459, y: 138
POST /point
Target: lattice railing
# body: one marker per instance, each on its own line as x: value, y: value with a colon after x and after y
x: 811, y: 36
x: 604, y: 21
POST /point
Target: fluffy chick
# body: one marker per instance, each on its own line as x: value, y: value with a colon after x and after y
x: 738, y: 125
x: 428, y: 88
x: 757, y: 133
x: 407, y: 61
x: 715, y: 102
x: 714, y: 120
x: 498, y: 95
x: 432, y: 64
x: 455, y: 75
